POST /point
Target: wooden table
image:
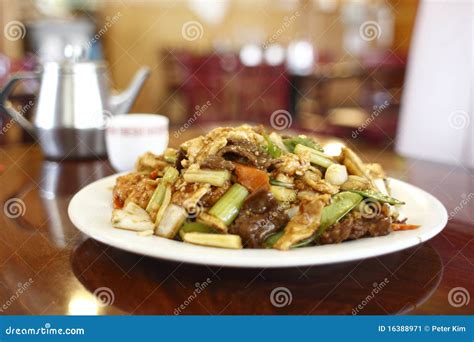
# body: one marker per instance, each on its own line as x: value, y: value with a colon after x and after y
x: 58, y: 268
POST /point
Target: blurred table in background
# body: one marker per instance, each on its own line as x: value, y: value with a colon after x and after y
x: 335, y: 98
x: 66, y: 267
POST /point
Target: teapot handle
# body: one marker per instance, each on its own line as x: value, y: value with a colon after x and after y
x: 4, y: 94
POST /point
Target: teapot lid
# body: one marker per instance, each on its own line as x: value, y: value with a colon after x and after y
x: 75, y: 61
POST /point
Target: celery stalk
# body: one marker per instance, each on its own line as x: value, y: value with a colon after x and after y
x: 228, y: 206
x: 316, y: 157
x: 170, y: 176
x: 213, y: 177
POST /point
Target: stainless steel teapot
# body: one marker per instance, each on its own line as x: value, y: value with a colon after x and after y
x: 72, y: 107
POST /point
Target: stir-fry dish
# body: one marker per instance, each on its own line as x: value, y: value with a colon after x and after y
x: 247, y: 187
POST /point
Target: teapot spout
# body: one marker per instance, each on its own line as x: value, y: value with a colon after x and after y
x: 121, y: 103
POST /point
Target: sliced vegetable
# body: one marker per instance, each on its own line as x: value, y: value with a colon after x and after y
x: 404, y: 226
x: 378, y: 196
x: 213, y: 177
x: 282, y: 184
x: 278, y: 141
x: 214, y: 240
x: 271, y: 148
x: 195, y: 227
x: 170, y: 155
x: 212, y: 221
x: 342, y: 203
x: 173, y: 219
x: 170, y: 176
x: 164, y: 204
x: 292, y: 142
x: 315, y: 157
x: 251, y: 177
x: 336, y: 174
x: 146, y: 232
x: 304, y: 224
x: 132, y: 217
x: 272, y: 239
x: 283, y: 194
x: 228, y: 206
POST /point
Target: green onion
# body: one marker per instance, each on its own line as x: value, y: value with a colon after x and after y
x: 228, y: 206
x: 291, y: 143
x: 378, y: 196
x: 193, y: 227
x: 170, y: 176
x: 283, y: 184
x: 271, y: 148
x: 272, y: 239
x: 170, y: 155
x: 213, y: 177
x: 316, y: 157
x: 283, y: 194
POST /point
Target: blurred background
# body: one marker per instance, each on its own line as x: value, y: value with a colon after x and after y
x: 332, y: 64
x: 334, y: 67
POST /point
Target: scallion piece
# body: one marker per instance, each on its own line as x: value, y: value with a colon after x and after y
x: 228, y: 206
x: 213, y: 177
x: 170, y: 176
x: 315, y: 157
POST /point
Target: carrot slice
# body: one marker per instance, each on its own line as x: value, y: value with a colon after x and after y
x: 251, y: 177
x: 403, y: 226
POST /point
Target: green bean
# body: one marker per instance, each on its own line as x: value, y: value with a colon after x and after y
x: 378, y: 196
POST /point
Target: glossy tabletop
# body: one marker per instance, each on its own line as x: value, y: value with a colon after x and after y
x: 48, y: 267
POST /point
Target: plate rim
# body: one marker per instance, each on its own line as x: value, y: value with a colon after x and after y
x: 198, y: 259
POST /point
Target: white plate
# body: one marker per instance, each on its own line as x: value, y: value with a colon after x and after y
x: 90, y: 211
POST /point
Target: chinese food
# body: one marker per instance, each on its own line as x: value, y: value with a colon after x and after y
x: 245, y: 187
